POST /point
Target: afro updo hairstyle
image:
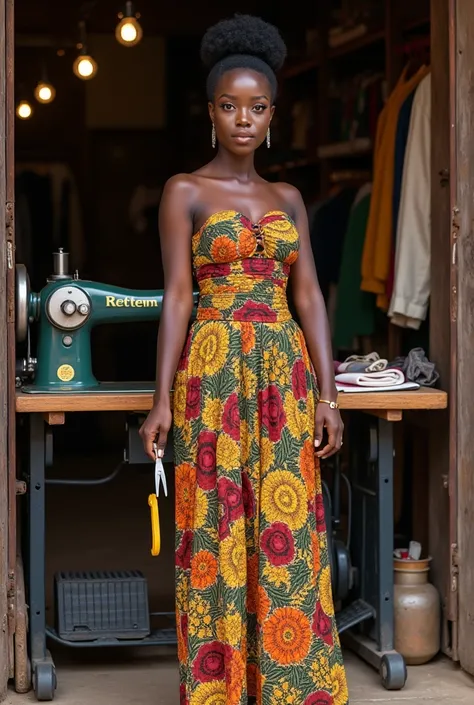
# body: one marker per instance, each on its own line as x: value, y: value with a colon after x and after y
x: 242, y: 42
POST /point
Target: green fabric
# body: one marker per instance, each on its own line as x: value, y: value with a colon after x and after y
x: 355, y: 309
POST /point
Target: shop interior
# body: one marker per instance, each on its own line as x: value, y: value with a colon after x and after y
x: 93, y: 152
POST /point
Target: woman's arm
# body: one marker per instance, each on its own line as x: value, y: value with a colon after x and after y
x: 175, y: 223
x: 311, y: 310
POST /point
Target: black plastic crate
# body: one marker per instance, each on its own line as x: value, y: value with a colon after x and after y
x: 101, y: 605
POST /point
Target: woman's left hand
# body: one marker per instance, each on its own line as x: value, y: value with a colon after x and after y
x: 329, y: 419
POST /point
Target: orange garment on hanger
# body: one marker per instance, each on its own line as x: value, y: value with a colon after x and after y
x: 379, y: 236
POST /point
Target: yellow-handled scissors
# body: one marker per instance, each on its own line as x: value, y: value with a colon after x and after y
x: 160, y: 477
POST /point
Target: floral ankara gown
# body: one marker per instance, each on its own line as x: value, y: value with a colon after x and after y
x: 254, y: 606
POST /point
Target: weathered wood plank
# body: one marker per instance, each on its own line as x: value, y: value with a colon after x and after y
x: 4, y: 661
x: 465, y: 337
x: 440, y: 334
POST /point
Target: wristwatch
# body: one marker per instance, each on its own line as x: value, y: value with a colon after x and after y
x: 332, y: 404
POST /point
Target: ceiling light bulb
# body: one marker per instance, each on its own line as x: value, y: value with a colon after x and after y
x: 24, y: 110
x: 85, y: 67
x: 45, y: 92
x: 129, y: 30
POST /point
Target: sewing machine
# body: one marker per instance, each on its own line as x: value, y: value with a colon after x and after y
x: 66, y: 310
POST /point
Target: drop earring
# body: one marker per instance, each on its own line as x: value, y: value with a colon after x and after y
x: 268, y: 138
x: 213, y: 136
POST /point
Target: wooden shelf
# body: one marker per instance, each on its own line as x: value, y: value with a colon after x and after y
x: 301, y: 67
x: 290, y: 164
x: 357, y: 44
x: 354, y: 45
x: 357, y: 147
x: 416, y: 23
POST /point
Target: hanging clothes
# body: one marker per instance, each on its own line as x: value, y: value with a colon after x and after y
x: 409, y: 303
x: 34, y: 239
x: 377, y: 247
x: 55, y: 211
x: 327, y: 237
x: 401, y: 139
x: 355, y: 309
x: 355, y: 106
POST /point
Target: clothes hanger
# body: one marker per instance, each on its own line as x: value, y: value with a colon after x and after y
x: 417, y: 51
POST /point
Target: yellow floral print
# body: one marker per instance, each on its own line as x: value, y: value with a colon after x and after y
x: 212, y: 414
x: 339, y: 685
x: 201, y: 506
x: 210, y: 349
x: 297, y: 418
x: 200, y: 619
x: 213, y: 693
x: 284, y: 499
x: 325, y: 591
x: 276, y: 364
x: 179, y: 399
x: 233, y: 557
x: 228, y: 452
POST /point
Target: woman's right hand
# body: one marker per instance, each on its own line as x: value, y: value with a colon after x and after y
x: 155, y: 429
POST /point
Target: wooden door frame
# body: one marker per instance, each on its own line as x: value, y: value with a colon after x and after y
x: 452, y: 322
x: 442, y: 440
x: 5, y: 262
x: 7, y: 349
x: 463, y: 257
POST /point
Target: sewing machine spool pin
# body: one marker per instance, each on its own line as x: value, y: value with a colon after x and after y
x: 60, y: 265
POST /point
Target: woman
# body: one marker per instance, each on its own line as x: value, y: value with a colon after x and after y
x: 255, y: 616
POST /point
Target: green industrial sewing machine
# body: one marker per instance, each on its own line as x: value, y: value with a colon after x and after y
x: 66, y: 310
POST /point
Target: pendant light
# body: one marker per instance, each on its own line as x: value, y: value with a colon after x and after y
x: 85, y: 67
x: 45, y: 92
x: 24, y: 110
x: 24, y: 107
x: 129, y: 30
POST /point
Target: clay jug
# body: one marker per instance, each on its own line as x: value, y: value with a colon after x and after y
x: 417, y: 612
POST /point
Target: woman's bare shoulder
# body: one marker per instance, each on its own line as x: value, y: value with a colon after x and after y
x: 289, y: 196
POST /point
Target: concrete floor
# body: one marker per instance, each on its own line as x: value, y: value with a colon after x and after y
x: 152, y: 679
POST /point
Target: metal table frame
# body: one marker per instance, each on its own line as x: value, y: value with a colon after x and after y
x: 372, y: 481
x: 42, y: 665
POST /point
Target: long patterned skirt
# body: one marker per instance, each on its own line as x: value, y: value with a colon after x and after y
x: 254, y: 607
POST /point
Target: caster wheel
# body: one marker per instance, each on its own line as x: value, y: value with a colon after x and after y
x: 44, y: 681
x: 393, y: 671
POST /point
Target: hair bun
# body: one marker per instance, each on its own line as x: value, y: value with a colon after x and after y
x: 243, y: 34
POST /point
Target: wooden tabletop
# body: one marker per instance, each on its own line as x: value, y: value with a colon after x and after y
x: 388, y: 405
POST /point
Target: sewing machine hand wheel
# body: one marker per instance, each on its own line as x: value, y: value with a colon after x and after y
x: 22, y: 302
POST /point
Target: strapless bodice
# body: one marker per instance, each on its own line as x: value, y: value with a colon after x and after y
x: 242, y: 267
x: 229, y: 236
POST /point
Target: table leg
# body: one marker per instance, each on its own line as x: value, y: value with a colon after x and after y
x: 373, y: 486
x: 385, y: 625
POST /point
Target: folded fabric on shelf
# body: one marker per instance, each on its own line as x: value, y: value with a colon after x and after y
x: 362, y: 363
x: 385, y: 378
x: 353, y: 388
x: 417, y: 368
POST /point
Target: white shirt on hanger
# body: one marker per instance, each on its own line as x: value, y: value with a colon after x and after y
x: 411, y: 290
